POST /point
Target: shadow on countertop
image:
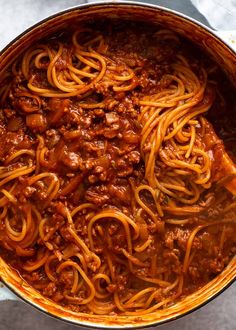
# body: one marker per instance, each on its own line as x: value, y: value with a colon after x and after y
x: 183, y: 6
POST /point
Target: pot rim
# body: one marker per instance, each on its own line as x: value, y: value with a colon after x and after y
x: 106, y: 327
x: 111, y: 3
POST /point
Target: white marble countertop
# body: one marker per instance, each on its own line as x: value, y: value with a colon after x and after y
x: 15, y: 17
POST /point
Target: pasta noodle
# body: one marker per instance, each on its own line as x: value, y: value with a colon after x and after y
x: 116, y: 194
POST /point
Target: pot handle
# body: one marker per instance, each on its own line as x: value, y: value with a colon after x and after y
x: 229, y: 37
x: 6, y: 294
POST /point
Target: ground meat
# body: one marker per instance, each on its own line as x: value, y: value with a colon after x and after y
x: 111, y: 118
x: 26, y: 104
x: 120, y: 191
x: 97, y: 195
x: 66, y: 278
x: 72, y: 160
x: 13, y: 141
x: 57, y: 109
x: 50, y: 290
x: 53, y: 138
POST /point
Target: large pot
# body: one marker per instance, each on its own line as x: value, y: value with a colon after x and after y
x: 210, y: 42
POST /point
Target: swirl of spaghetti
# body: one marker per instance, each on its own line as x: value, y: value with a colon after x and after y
x: 81, y: 301
x: 125, y: 220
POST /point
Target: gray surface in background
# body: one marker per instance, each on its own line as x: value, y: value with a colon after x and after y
x: 183, y: 6
x: 15, y: 17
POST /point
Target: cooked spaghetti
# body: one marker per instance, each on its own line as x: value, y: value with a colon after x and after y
x: 115, y: 196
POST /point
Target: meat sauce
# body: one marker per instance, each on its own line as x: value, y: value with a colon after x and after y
x: 94, y: 151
